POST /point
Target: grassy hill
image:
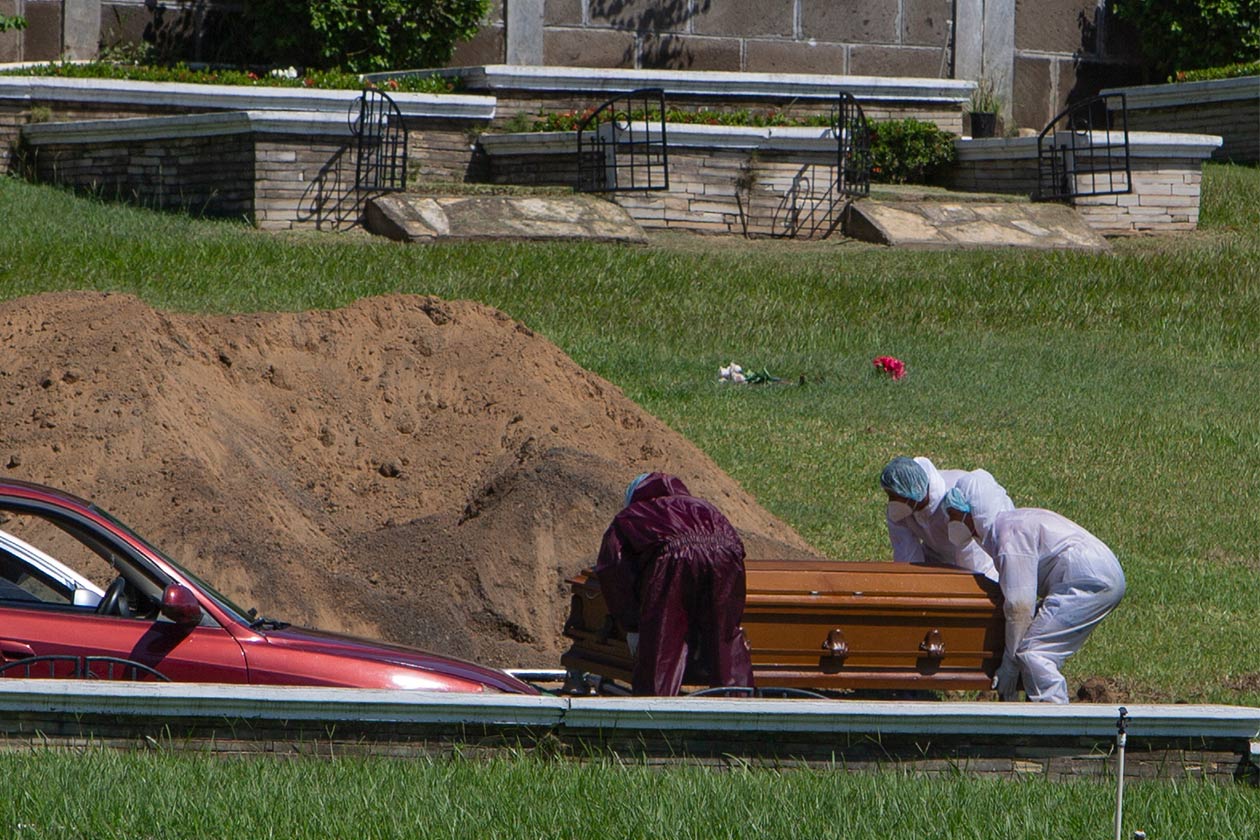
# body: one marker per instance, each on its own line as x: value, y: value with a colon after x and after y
x: 1118, y: 389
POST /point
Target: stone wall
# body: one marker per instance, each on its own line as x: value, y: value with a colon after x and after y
x: 1228, y: 108
x: 1040, y: 53
x: 526, y: 92
x: 77, y: 29
x: 211, y: 176
x: 441, y: 129
x: 752, y: 182
x: 1165, y: 198
x: 279, y: 171
x: 780, y: 182
x: 1165, y: 173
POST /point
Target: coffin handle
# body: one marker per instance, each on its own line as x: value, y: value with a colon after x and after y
x: 933, y: 645
x: 836, y: 645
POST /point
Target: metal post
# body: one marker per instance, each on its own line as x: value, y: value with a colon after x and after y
x: 1121, y: 737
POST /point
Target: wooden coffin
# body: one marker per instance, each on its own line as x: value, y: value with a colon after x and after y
x: 830, y: 625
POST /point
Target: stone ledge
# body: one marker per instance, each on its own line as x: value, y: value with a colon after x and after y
x: 303, y: 123
x: 1189, y: 93
x: 234, y: 97
x: 504, y: 77
x: 1142, y: 144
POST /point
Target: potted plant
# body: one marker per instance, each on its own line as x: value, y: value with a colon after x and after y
x: 984, y: 107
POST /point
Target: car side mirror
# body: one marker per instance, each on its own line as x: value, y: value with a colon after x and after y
x: 180, y: 605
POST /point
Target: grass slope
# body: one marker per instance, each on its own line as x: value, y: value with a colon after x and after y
x: 1119, y: 389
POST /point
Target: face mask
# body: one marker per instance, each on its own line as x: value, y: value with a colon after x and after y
x: 898, y: 511
x: 959, y: 534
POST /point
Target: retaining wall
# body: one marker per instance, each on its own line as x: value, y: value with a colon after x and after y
x: 441, y: 127
x: 1165, y: 170
x: 1228, y: 108
x: 532, y: 90
x: 722, y: 179
x: 280, y: 170
x: 778, y: 181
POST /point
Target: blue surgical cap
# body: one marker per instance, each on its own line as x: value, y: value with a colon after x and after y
x: 955, y: 500
x: 634, y: 485
x: 905, y: 478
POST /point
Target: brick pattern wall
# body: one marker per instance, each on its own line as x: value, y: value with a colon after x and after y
x: 1165, y: 198
x: 211, y: 176
x: 1236, y: 122
x: 1010, y: 176
x: 304, y: 182
x: 712, y: 191
x: 16, y: 113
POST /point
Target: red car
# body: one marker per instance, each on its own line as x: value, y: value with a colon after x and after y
x: 111, y: 606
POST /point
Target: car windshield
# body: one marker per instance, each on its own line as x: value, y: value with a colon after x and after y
x: 243, y: 616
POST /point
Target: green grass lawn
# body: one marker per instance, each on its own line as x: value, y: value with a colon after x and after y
x: 1119, y: 389
x: 111, y: 795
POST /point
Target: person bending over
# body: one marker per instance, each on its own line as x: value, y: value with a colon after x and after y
x: 917, y: 524
x: 1058, y: 582
x: 671, y: 568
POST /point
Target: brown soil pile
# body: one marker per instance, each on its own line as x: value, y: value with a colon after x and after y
x: 407, y: 468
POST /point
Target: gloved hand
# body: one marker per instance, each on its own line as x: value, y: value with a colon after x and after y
x: 632, y: 642
x: 1006, y: 680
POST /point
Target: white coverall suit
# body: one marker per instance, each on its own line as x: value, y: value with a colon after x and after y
x: 923, y: 535
x: 1042, y: 555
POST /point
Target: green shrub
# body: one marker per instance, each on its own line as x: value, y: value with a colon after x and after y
x: 364, y: 36
x: 8, y: 22
x: 1228, y: 71
x: 1192, y: 34
x: 909, y: 151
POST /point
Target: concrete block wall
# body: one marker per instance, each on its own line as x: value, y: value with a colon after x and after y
x: 78, y: 28
x: 871, y: 37
x: 1040, y: 53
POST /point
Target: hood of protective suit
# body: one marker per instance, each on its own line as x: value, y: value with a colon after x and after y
x: 987, y: 499
x: 657, y: 485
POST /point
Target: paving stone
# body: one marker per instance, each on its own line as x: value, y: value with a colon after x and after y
x: 971, y: 224
x: 414, y: 218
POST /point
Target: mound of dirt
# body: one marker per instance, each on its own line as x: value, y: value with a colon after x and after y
x: 406, y: 468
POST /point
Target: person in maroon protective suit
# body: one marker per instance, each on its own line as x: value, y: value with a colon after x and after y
x: 671, y: 568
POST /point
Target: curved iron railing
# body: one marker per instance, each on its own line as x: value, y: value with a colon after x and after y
x: 1084, y: 151
x: 621, y: 145
x: 853, y: 147
x: 380, y: 143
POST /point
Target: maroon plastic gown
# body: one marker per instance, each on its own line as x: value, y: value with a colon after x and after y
x: 671, y: 568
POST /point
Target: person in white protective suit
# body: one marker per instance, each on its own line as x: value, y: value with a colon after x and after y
x: 918, y: 526
x: 1040, y: 556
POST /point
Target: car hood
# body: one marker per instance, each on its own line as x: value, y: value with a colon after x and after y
x: 320, y: 641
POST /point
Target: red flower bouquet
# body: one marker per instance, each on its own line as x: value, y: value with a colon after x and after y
x: 892, y: 366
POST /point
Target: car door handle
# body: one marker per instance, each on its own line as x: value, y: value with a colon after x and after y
x: 12, y: 651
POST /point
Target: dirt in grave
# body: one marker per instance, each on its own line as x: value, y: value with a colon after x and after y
x: 406, y: 468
